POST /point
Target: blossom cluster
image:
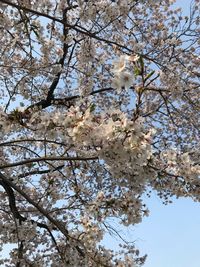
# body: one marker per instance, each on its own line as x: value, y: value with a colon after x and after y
x: 99, y: 104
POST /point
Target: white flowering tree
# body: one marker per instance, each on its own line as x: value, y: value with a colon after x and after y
x: 99, y: 105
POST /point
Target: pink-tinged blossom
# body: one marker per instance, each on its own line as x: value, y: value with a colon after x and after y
x: 99, y: 105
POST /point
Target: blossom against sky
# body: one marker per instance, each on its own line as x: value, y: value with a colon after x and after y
x: 170, y: 235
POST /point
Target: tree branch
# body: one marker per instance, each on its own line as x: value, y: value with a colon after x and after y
x: 77, y: 28
x: 14, y: 164
x: 8, y: 187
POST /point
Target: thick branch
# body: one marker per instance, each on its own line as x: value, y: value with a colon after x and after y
x: 10, y: 185
x: 17, y: 215
x: 11, y: 198
x: 77, y: 28
x: 50, y: 96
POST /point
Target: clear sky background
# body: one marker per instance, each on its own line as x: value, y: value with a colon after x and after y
x: 171, y: 234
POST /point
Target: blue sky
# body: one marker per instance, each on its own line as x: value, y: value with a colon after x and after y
x: 171, y: 234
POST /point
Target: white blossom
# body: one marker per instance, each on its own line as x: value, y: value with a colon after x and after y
x: 99, y: 105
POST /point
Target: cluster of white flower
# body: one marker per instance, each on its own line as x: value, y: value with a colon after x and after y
x: 121, y: 143
x: 122, y: 77
x: 91, y: 234
x: 172, y: 81
x: 181, y: 164
x: 83, y: 148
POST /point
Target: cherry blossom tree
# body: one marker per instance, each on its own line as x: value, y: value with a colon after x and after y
x: 99, y: 106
